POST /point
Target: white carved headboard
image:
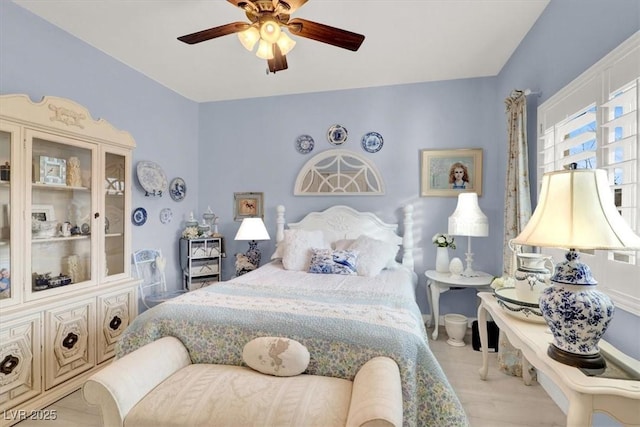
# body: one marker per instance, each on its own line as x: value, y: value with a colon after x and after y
x: 342, y: 222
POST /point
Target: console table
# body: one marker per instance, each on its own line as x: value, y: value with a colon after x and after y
x: 617, y: 398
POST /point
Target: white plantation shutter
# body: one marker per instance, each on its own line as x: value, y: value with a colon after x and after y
x: 594, y: 122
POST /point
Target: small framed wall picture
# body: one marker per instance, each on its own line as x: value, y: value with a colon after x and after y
x: 448, y: 173
x: 53, y: 170
x: 247, y: 205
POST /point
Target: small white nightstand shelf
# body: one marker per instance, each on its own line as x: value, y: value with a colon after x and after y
x: 438, y: 283
x: 618, y: 398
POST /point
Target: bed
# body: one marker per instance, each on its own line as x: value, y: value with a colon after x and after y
x: 343, y: 319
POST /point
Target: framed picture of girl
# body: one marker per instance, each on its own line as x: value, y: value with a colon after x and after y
x: 447, y: 173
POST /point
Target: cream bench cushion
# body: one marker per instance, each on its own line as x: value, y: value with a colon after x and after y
x: 157, y: 386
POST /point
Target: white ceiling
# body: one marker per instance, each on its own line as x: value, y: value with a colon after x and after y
x: 407, y: 41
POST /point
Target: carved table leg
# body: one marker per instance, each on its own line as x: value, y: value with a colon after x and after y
x: 484, y: 341
x: 435, y: 307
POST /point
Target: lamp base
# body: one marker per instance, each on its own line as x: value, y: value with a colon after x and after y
x: 469, y: 273
x: 253, y: 254
x: 593, y: 364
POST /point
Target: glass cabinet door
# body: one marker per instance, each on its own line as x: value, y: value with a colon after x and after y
x: 62, y: 212
x: 115, y: 226
x: 5, y: 214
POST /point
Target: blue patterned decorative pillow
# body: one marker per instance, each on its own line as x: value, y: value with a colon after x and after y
x: 326, y: 261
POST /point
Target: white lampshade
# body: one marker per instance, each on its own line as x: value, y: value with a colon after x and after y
x: 252, y: 229
x: 265, y: 50
x: 468, y: 219
x: 249, y: 38
x: 576, y: 210
x: 285, y: 43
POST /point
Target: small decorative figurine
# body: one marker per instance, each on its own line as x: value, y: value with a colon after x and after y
x: 73, y: 172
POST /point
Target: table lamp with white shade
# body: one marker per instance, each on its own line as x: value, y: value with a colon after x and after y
x: 252, y: 229
x: 576, y: 210
x: 468, y: 220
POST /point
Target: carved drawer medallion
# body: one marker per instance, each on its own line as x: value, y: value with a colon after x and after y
x: 19, y: 368
x: 71, y: 349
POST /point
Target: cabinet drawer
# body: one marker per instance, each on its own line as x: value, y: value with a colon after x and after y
x: 20, y: 376
x: 202, y: 282
x: 205, y: 250
x: 115, y: 312
x: 69, y: 342
x: 204, y: 269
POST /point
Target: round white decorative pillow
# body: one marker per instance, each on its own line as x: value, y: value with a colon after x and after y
x: 282, y: 357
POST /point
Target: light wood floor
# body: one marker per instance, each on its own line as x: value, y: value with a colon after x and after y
x: 501, y: 401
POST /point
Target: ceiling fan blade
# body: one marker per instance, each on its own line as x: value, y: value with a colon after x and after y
x: 325, y: 34
x: 278, y: 62
x: 287, y: 6
x: 212, y: 33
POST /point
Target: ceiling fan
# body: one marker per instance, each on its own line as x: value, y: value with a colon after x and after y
x: 268, y: 19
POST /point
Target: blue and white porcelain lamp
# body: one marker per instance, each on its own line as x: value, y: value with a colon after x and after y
x: 576, y: 210
x: 252, y: 229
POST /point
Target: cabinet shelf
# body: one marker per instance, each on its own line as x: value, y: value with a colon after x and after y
x: 58, y: 187
x: 60, y: 238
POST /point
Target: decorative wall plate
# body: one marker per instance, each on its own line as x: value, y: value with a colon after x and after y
x: 304, y: 144
x: 372, y: 142
x: 337, y: 135
x: 152, y: 178
x: 139, y: 216
x: 177, y: 189
x: 166, y: 215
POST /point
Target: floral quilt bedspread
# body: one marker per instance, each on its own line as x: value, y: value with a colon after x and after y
x: 342, y: 330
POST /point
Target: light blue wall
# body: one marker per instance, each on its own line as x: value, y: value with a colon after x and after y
x: 221, y: 148
x: 39, y: 59
x: 259, y: 135
x: 569, y: 37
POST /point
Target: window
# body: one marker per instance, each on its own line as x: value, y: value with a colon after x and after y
x: 593, y: 122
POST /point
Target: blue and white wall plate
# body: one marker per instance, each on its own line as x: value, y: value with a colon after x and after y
x: 166, y: 215
x: 139, y: 216
x: 152, y: 178
x: 304, y: 144
x: 337, y: 135
x: 177, y: 189
x: 372, y: 142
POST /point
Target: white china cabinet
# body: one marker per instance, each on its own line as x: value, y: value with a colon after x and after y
x: 66, y: 289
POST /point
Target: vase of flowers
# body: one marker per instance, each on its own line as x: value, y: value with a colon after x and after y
x: 443, y: 242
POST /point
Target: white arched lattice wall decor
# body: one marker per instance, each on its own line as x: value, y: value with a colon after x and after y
x: 338, y: 172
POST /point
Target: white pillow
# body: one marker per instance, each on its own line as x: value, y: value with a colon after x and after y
x: 296, y: 254
x: 344, y: 244
x: 282, y: 357
x: 373, y: 255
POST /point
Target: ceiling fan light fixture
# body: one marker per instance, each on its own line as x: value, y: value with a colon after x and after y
x: 285, y: 43
x: 270, y: 30
x: 249, y: 38
x: 265, y: 50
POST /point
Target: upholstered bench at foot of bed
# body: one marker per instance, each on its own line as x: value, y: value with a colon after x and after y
x: 157, y: 386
